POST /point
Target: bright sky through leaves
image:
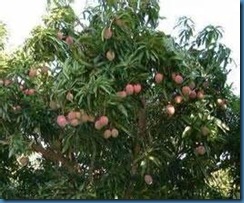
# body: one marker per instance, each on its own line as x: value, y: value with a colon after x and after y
x: 22, y: 16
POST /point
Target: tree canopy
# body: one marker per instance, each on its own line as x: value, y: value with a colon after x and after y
x: 117, y: 109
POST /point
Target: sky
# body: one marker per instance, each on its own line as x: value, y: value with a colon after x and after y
x: 21, y: 16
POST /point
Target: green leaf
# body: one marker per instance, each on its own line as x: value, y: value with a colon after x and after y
x: 155, y: 160
x: 66, y: 143
x: 123, y: 110
x: 187, y: 131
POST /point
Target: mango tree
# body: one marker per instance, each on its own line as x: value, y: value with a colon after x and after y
x: 114, y: 107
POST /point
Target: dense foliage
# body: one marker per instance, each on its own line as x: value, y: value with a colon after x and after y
x: 118, y: 109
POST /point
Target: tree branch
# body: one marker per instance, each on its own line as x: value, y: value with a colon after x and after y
x: 56, y: 158
x: 142, y: 126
